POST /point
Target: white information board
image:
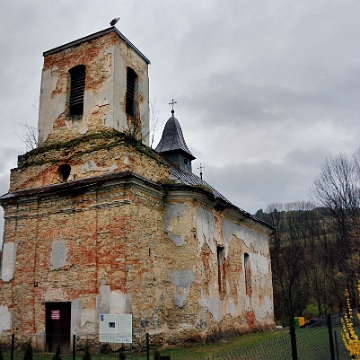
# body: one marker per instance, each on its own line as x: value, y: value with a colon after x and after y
x: 116, y: 328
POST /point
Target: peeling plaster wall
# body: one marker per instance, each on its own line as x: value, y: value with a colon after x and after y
x: 58, y: 254
x: 181, y: 280
x: 8, y: 261
x: 125, y: 57
x: 5, y: 319
x: 206, y: 229
x: 120, y: 303
x: 236, y: 240
x: 111, y: 248
x: 249, y: 237
x: 173, y: 221
x: 43, y: 168
x: 121, y: 243
x: 106, y: 59
x: 76, y: 317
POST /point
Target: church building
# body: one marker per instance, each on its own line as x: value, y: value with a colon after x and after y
x: 97, y: 222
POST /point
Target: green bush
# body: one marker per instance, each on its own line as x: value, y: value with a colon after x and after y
x: 28, y: 352
x: 57, y: 354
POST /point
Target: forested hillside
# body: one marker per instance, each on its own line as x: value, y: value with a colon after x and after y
x: 315, y: 248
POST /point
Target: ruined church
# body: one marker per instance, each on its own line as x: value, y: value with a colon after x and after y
x: 97, y: 222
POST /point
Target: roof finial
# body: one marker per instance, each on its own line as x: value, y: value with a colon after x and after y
x: 172, y: 105
x: 200, y: 168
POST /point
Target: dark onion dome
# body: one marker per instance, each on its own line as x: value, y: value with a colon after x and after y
x: 172, y: 139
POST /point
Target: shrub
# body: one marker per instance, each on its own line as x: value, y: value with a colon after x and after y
x: 1, y: 354
x: 57, y: 354
x: 349, y: 337
x: 28, y: 352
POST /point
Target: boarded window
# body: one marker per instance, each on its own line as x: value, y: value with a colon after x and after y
x: 247, y: 274
x: 77, y: 88
x: 131, y: 92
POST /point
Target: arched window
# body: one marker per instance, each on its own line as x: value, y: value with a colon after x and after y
x: 247, y: 271
x: 131, y: 91
x: 77, y: 88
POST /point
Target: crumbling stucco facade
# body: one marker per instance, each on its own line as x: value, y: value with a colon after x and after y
x: 106, y: 58
x: 97, y: 220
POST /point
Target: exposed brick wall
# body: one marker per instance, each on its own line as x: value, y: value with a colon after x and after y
x: 91, y: 155
x: 113, y: 235
x: 93, y: 219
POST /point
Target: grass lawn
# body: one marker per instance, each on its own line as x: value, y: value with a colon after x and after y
x: 200, y: 351
x: 224, y: 346
x: 312, y: 344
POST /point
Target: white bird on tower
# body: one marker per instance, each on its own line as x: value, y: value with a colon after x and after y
x: 114, y: 21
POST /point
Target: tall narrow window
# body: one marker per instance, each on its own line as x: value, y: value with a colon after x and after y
x: 247, y: 271
x: 131, y: 93
x: 77, y: 88
x: 221, y: 269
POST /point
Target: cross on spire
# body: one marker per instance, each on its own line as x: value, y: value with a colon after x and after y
x: 200, y: 168
x: 172, y: 103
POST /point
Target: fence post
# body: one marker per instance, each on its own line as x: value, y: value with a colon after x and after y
x: 331, y: 341
x: 74, y: 347
x: 12, y: 346
x: 336, y: 346
x: 293, y: 342
x: 147, y: 347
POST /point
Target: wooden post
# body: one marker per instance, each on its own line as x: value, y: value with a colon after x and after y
x: 147, y: 347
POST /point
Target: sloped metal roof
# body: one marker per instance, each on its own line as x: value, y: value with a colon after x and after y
x: 183, y: 178
x: 172, y: 139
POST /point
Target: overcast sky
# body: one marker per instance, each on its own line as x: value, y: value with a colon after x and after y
x: 265, y: 89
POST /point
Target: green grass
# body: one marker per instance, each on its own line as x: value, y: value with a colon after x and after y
x: 200, y: 351
x: 312, y: 344
x: 223, y: 346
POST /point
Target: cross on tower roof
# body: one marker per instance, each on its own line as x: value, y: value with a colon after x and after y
x: 172, y: 103
x: 200, y: 168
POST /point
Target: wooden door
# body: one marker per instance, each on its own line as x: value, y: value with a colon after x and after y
x: 58, y: 319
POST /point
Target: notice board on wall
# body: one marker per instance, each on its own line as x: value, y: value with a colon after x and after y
x: 116, y: 328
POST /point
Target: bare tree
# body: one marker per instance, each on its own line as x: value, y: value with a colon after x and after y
x: 30, y: 137
x: 154, y: 121
x: 337, y: 189
x: 289, y: 261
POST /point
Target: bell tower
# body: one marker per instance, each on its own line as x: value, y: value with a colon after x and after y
x: 96, y: 82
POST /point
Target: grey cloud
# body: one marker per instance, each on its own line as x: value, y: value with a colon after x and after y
x: 265, y: 90
x: 252, y: 186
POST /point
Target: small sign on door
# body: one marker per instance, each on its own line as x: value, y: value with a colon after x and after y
x: 55, y: 314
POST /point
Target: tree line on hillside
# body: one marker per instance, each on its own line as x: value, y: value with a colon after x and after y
x: 315, y: 248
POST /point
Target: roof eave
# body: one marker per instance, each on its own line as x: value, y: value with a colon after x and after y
x: 174, y: 151
x: 95, y: 36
